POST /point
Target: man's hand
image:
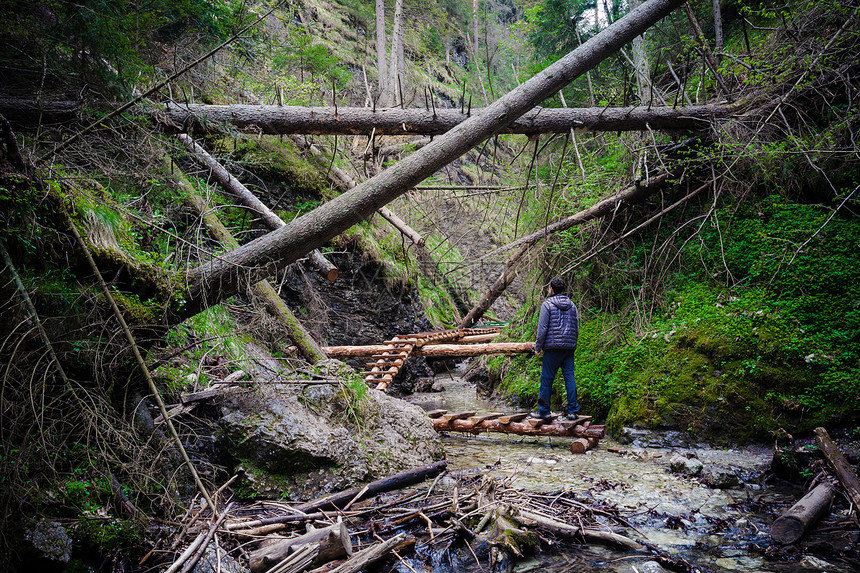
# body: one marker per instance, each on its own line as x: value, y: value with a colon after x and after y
x: 538, y: 352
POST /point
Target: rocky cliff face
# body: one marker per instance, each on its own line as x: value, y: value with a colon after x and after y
x: 296, y: 441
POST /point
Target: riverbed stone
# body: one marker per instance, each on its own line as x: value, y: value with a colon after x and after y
x: 50, y: 543
x: 209, y: 562
x: 295, y: 443
x: 719, y: 477
x: 684, y: 465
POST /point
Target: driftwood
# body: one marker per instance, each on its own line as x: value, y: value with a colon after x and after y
x: 433, y: 350
x: 571, y: 531
x: 284, y: 120
x: 333, y: 542
x: 843, y: 470
x: 797, y: 520
x: 389, y: 483
x: 369, y: 556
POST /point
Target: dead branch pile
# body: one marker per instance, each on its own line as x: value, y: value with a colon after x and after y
x: 465, y: 517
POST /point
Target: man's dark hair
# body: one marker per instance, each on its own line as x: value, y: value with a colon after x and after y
x: 557, y: 285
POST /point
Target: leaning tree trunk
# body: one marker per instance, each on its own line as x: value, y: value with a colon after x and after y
x: 287, y: 120
x: 601, y: 209
x: 263, y: 290
x: 226, y: 275
x: 844, y: 471
x: 234, y: 187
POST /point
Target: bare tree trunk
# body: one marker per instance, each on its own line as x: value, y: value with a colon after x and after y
x: 381, y: 67
x: 641, y: 65
x: 249, y: 200
x: 225, y: 275
x: 799, y: 518
x: 284, y: 120
x: 305, y: 344
x: 394, y: 81
x: 718, y: 31
x: 706, y: 49
x: 844, y: 471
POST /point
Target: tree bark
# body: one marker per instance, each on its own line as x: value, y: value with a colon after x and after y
x: 718, y: 31
x: 334, y: 543
x: 844, y: 472
x: 797, y: 520
x: 433, y: 350
x: 396, y: 481
x: 601, y: 209
x: 395, y: 77
x: 284, y: 120
x: 381, y: 67
x: 234, y: 187
x: 224, y: 276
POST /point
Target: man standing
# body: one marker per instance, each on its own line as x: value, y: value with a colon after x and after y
x: 558, y: 331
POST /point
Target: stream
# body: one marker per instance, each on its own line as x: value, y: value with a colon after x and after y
x: 713, y: 529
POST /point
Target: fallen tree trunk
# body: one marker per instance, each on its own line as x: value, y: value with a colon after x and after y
x: 843, y: 470
x: 284, y: 120
x: 556, y: 527
x: 601, y: 209
x: 372, y: 554
x: 396, y: 481
x: 305, y: 344
x: 433, y: 350
x: 225, y: 275
x: 333, y: 541
x: 799, y: 518
x: 234, y: 187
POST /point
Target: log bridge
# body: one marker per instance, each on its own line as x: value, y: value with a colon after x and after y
x: 389, y: 357
x: 586, y: 435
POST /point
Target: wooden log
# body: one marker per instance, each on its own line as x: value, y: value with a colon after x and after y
x: 475, y: 338
x: 401, y: 226
x: 333, y: 541
x: 433, y: 350
x: 513, y: 418
x: 519, y: 428
x: 284, y: 120
x: 436, y: 413
x: 396, y: 481
x: 235, y: 188
x: 367, y: 557
x: 224, y: 276
x: 538, y: 422
x: 562, y: 529
x: 458, y: 416
x: 582, y: 445
x: 843, y: 470
x: 799, y: 518
x: 480, y: 418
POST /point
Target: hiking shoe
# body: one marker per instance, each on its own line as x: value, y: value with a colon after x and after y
x: 568, y: 417
x: 537, y: 416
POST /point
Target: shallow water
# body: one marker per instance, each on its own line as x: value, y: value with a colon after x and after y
x: 711, y: 528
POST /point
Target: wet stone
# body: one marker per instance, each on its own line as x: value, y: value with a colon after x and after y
x: 719, y: 477
x: 687, y: 466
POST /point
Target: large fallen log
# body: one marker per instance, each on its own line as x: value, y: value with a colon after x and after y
x: 234, y: 187
x: 283, y: 120
x: 799, y: 518
x: 843, y: 470
x: 433, y: 350
x: 396, y: 481
x: 225, y: 275
x: 333, y: 541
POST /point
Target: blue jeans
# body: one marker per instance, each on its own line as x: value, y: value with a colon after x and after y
x: 552, y: 361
